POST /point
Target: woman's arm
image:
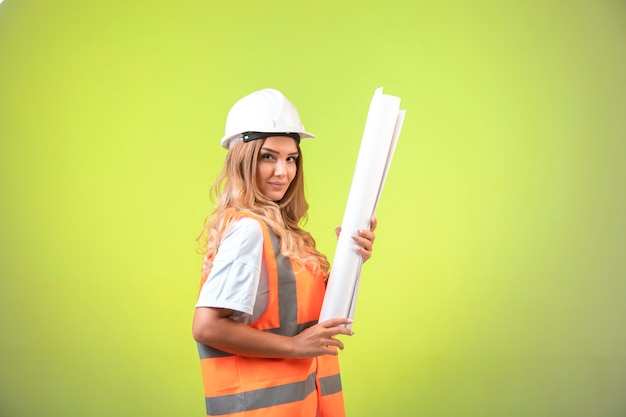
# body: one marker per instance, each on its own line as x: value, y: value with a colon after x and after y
x: 214, y: 327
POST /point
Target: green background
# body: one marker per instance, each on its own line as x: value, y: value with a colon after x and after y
x: 497, y: 286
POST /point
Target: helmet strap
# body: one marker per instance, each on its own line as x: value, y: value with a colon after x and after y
x: 250, y: 136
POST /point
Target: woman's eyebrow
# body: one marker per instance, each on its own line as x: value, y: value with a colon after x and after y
x: 276, y: 152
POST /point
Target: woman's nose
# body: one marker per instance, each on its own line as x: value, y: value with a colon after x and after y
x: 279, y: 168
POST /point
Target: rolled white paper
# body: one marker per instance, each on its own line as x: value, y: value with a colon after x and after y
x: 382, y: 129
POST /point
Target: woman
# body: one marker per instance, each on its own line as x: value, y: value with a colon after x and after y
x: 262, y: 351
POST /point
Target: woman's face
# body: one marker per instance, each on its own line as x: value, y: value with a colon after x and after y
x: 277, y: 166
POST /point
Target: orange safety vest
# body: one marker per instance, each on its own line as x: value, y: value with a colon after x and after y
x: 241, y: 386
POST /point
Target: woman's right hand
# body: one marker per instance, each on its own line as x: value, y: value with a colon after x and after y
x: 320, y: 339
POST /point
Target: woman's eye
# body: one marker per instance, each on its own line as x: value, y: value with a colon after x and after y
x: 267, y: 157
x: 292, y: 159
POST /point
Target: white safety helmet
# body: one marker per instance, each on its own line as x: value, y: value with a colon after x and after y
x: 262, y: 112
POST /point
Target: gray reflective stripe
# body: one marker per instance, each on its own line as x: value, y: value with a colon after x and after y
x: 287, y: 296
x: 330, y: 384
x: 209, y: 352
x: 298, y: 328
x: 304, y: 326
x: 261, y: 398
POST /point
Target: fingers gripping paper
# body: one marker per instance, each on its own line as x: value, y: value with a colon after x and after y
x: 382, y: 128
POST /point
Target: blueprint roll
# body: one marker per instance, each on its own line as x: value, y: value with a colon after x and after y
x: 382, y: 128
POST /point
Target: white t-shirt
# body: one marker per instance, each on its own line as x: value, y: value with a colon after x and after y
x: 238, y: 278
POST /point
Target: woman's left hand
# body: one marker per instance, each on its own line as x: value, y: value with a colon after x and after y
x: 364, y: 239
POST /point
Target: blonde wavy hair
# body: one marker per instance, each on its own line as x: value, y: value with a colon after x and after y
x: 236, y: 188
